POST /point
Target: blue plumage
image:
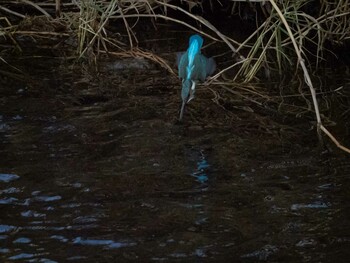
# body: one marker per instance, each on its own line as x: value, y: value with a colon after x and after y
x: 193, y: 67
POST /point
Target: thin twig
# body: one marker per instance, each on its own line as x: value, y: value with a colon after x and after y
x: 334, y: 140
x: 12, y: 12
x: 37, y: 7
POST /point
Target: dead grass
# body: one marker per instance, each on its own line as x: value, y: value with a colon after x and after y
x: 280, y: 42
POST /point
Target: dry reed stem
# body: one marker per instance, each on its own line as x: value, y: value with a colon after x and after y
x: 334, y: 140
x: 9, y: 32
x: 128, y: 29
x: 12, y: 12
x: 15, y: 68
x: 58, y: 8
x: 37, y: 7
x: 307, y: 80
x: 20, y: 32
x: 217, y: 75
x: 86, y: 27
x: 241, y: 95
x: 206, y: 23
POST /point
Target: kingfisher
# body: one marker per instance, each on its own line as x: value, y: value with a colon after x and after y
x: 193, y: 67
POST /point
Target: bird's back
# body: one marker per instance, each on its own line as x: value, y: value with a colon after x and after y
x: 203, y: 66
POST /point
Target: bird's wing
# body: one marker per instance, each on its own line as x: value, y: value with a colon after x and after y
x: 199, y: 71
x: 182, y: 61
x: 178, y: 57
x: 211, y: 66
x: 203, y: 68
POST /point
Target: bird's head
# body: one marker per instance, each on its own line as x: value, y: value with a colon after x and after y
x: 194, y: 48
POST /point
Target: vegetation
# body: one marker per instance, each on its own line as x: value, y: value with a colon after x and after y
x: 290, y: 35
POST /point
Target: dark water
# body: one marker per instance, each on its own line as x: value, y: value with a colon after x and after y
x: 95, y: 168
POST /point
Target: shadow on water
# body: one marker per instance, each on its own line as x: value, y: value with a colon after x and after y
x: 96, y: 167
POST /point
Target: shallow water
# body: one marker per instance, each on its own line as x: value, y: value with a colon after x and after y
x: 95, y: 167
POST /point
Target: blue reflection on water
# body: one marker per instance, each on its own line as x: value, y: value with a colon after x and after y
x: 315, y: 205
x: 48, y: 198
x: 200, y: 172
x: 11, y: 190
x: 22, y: 240
x: 21, y: 256
x: 102, y: 242
x: 30, y: 213
x: 4, y: 250
x: 8, y: 200
x: 60, y: 238
x: 5, y: 178
x: 6, y: 228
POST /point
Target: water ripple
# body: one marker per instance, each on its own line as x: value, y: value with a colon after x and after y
x: 102, y: 242
x: 5, y: 178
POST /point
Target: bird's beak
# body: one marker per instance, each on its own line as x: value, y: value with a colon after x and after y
x: 182, y: 110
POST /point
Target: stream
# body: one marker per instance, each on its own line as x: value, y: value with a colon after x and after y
x: 95, y: 167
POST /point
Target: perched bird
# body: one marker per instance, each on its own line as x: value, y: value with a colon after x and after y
x: 193, y: 67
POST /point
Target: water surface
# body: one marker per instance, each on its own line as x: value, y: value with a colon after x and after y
x: 95, y: 167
